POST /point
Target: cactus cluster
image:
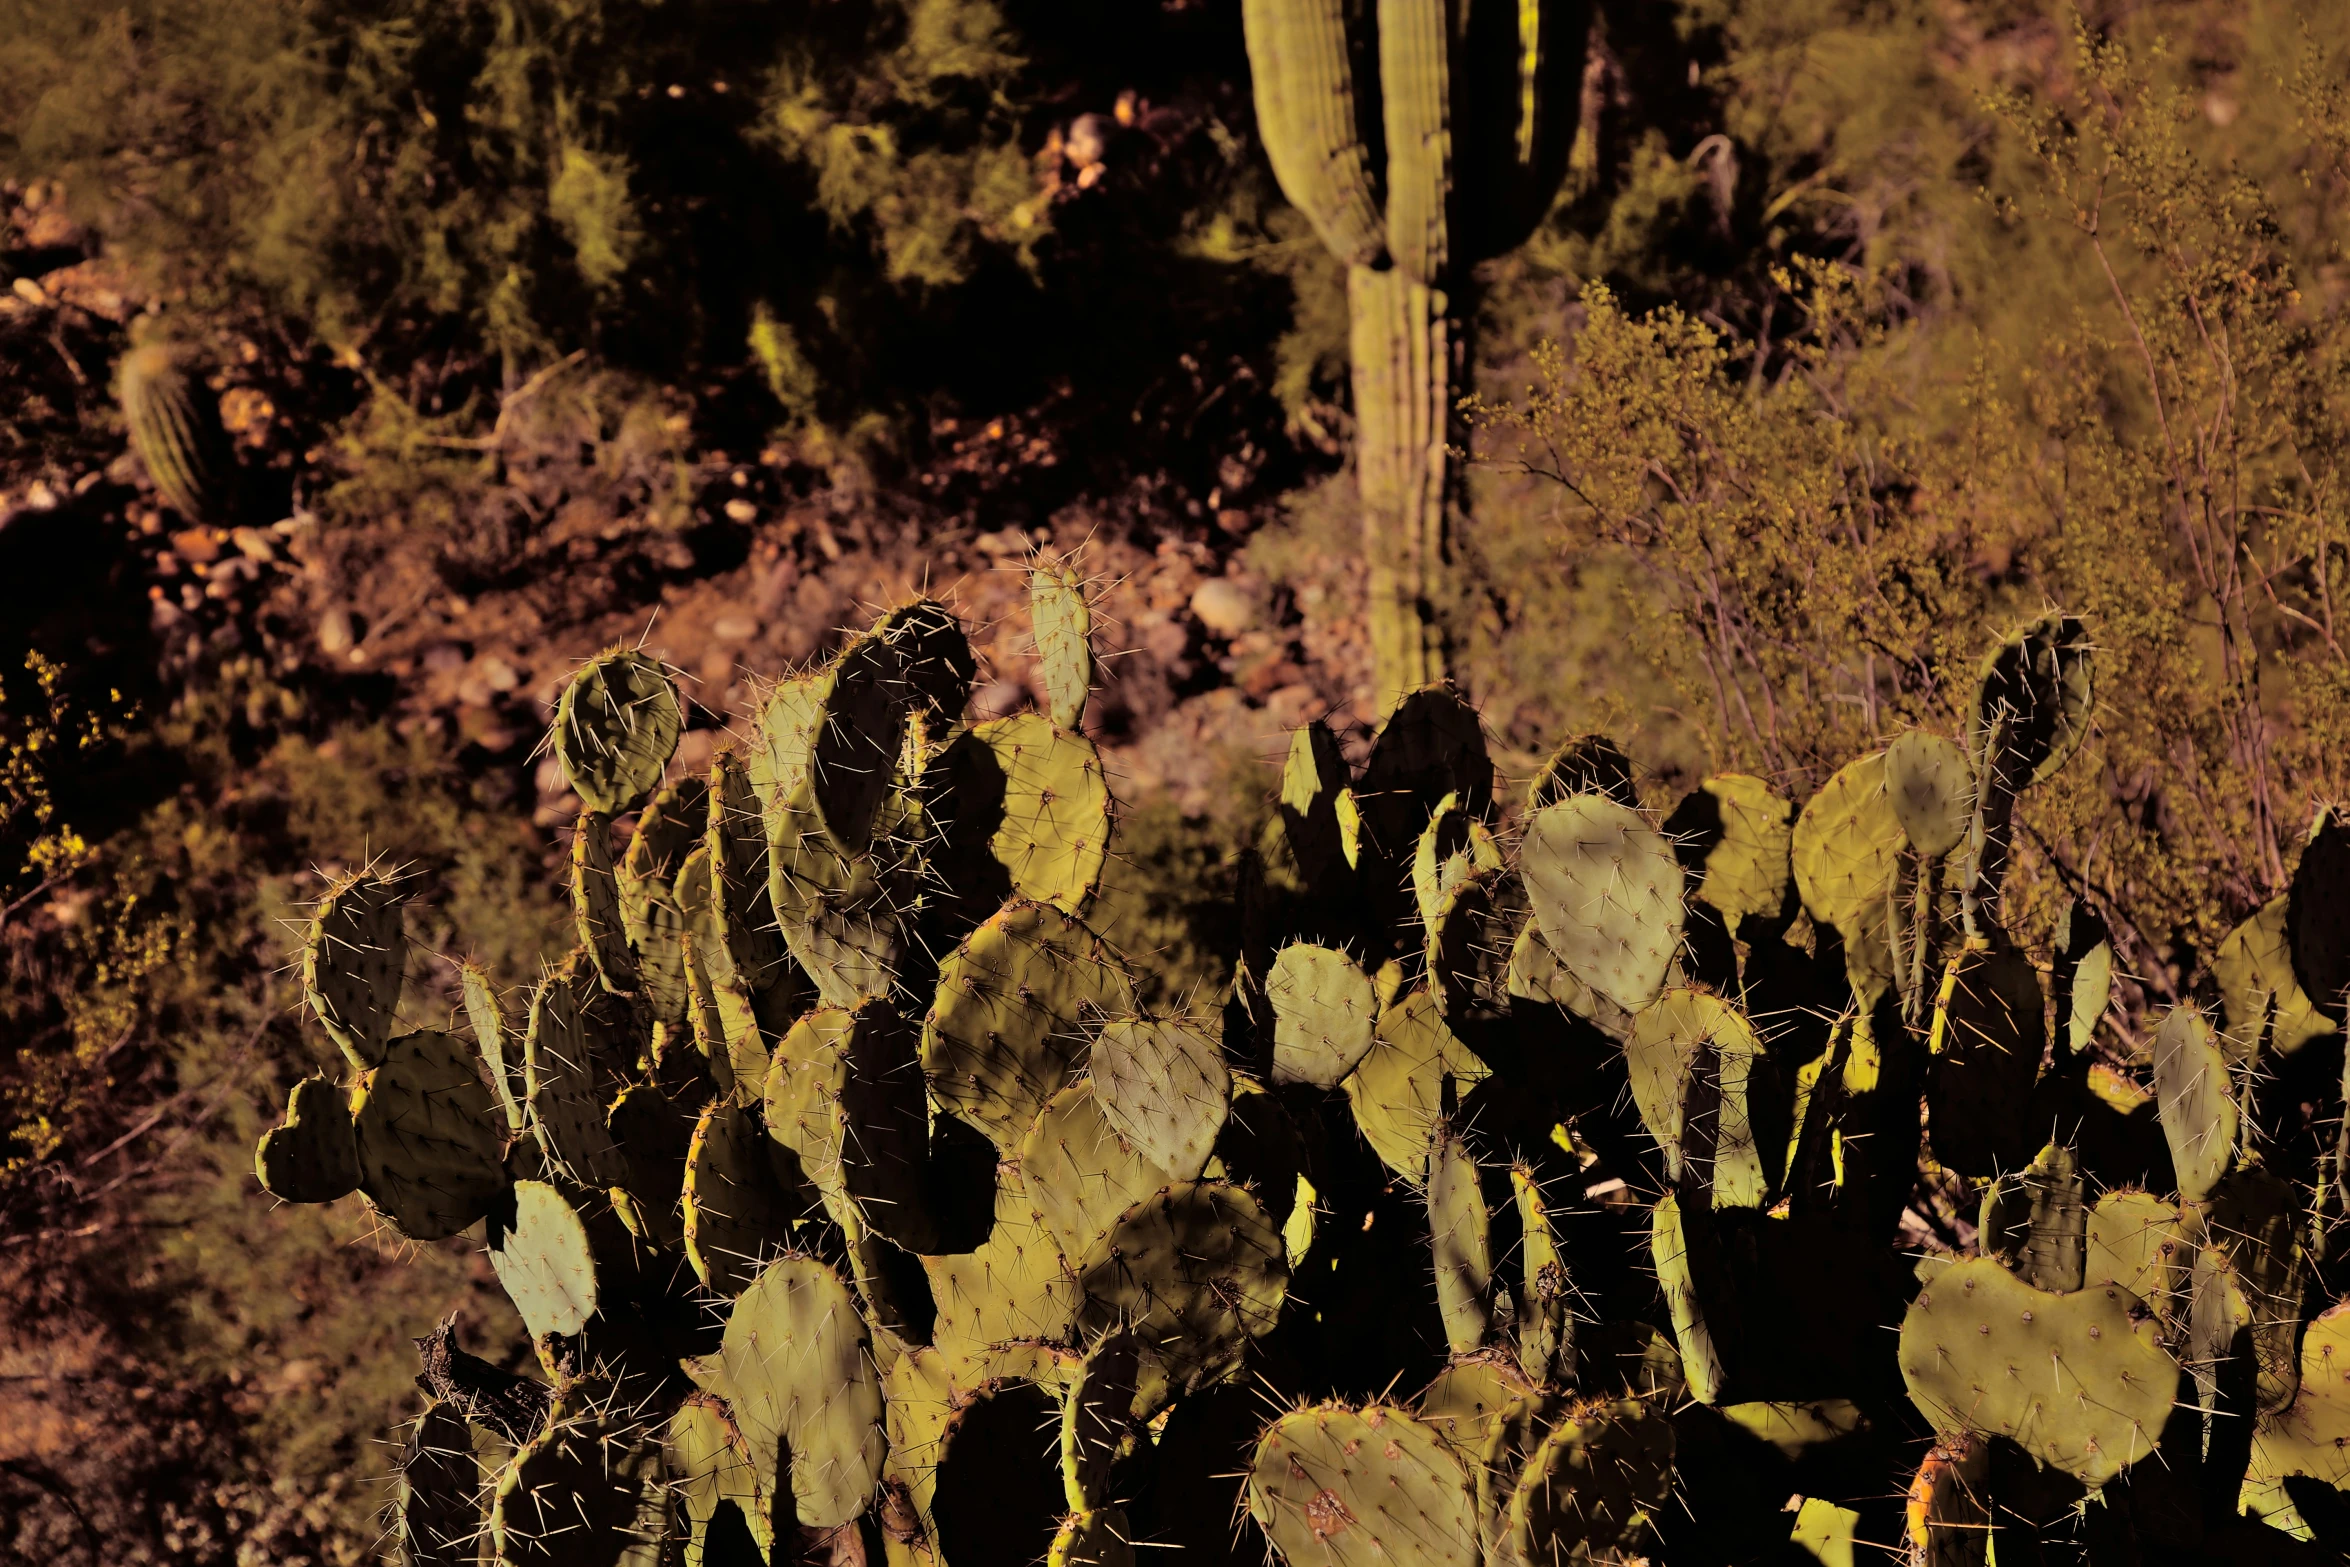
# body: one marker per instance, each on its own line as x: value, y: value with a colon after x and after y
x: 1548, y: 1187
x: 1419, y: 137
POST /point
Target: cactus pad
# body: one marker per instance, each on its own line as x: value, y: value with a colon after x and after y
x: 1098, y: 1537
x: 1163, y: 1087
x: 2310, y: 1436
x: 1672, y: 1039
x: 1014, y: 1286
x: 487, y: 1019
x: 440, y: 1501
x: 842, y: 916
x: 312, y: 1156
x: 1989, y: 1032
x: 1006, y: 1028
x: 1313, y: 780
x: 1584, y: 764
x: 1033, y: 800
x: 1097, y: 1419
x: 738, y: 1211
x: 1680, y: 1271
x: 1745, y: 865
x: 709, y: 1464
x: 1846, y: 853
x: 1546, y: 1316
x: 616, y: 728
x: 1432, y: 745
x: 861, y: 707
x: 1606, y: 891
x: 2042, y: 679
x: 2254, y: 968
x: 1340, y: 1487
x: 799, y: 1362
x: 2317, y: 917
x: 2134, y: 1240
x: 582, y: 1493
x: 428, y: 1137
x: 541, y: 1253
x: 1081, y: 1173
x: 2197, y: 1105
x: 352, y: 962
x: 845, y: 1095
x: 1324, y: 1012
x: 1459, y: 1228
x: 566, y: 1101
x: 1398, y: 1089
x: 1064, y: 640
x: 1194, y: 1273
x: 1931, y: 789
x: 1594, y: 1485
x: 595, y: 905
x: 2079, y: 1381
x: 741, y: 900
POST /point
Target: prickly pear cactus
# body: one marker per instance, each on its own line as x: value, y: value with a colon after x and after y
x: 852, y: 1202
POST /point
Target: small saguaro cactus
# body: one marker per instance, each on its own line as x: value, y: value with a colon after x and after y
x: 1544, y: 1192
x: 1420, y: 137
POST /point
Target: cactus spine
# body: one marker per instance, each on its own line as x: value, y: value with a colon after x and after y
x: 1419, y: 137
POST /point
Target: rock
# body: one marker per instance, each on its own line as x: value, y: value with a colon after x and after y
x: 338, y: 632
x: 1224, y: 606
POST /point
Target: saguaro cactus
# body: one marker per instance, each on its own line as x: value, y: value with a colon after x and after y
x: 1420, y: 137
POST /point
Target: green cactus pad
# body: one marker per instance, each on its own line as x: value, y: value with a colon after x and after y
x: 655, y: 1136
x: 1260, y: 1149
x: 845, y: 1095
x: 1745, y: 865
x: 2196, y: 1101
x: 1097, y: 1420
x: 176, y: 431
x: 1313, y: 780
x: 1989, y: 1032
x: 740, y: 884
x: 1324, y: 1014
x: 352, y: 962
x: 843, y: 917
x: 1080, y: 1172
x: 2245, y: 1230
x: 1459, y: 1229
x: 2254, y: 968
x: 1014, y: 1286
x: 721, y: 1011
x: 1606, y: 891
x: 1432, y: 745
x: 1545, y: 1312
x: 1846, y: 854
x: 2043, y: 679
x: 1100, y: 1537
x: 1007, y: 1026
x: 313, y: 1155
x: 595, y: 905
x: 1030, y: 811
x: 709, y: 1462
x: 2083, y: 972
x: 1194, y: 1273
x: 2037, y: 1223
x: 738, y: 1208
x: 1163, y: 1086
x: 1397, y: 1091
x: 1453, y: 847
x: 616, y: 728
x: 1584, y: 764
x: 430, y: 1149
x: 487, y: 1019
x: 778, y: 765
x: 565, y: 1099
x: 1064, y: 640
x: 2317, y: 916
x: 541, y: 1253
x: 1931, y: 789
x: 861, y: 703
x: 935, y: 662
x: 440, y: 1499
x: 1362, y: 1488
x: 799, y: 1361
x: 1671, y: 1040
x: 583, y: 1493
x: 1301, y: 66
x: 2134, y: 1240
x: 1678, y: 1270
x: 1594, y: 1486
x: 2079, y: 1381
x: 1535, y: 974
x: 2311, y: 1435
x: 918, y: 1398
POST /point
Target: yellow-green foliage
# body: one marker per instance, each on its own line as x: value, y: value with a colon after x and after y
x: 1817, y: 532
